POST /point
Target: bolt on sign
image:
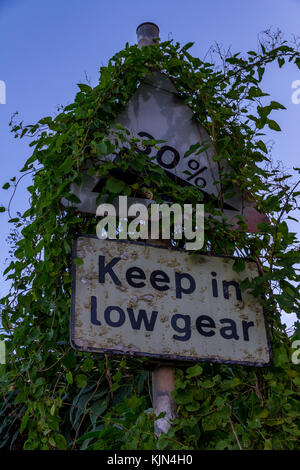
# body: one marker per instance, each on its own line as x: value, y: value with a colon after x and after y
x: 141, y: 300
x: 156, y: 112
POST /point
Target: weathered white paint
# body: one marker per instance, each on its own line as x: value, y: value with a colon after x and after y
x: 163, y: 340
x: 156, y: 109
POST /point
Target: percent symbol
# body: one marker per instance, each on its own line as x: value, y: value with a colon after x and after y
x: 194, y: 165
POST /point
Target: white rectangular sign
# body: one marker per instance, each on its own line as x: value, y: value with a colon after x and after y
x: 137, y: 299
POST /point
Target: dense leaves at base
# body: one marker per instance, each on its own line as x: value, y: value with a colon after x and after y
x: 55, y: 398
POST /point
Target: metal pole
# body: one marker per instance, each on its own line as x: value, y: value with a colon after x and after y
x: 163, y: 381
x: 163, y: 384
x: 163, y: 376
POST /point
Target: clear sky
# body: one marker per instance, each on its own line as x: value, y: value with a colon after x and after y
x: 49, y: 46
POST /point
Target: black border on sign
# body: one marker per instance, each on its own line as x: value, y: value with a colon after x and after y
x: 161, y: 357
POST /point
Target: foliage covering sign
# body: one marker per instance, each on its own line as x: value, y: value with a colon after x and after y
x: 53, y: 397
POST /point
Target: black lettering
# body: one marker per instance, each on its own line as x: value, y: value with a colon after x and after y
x: 204, y: 321
x: 147, y: 149
x: 186, y: 329
x: 246, y: 326
x: 94, y: 319
x: 135, y: 273
x: 179, y: 288
x: 108, y: 319
x: 173, y: 163
x: 142, y: 318
x: 157, y: 277
x: 226, y: 284
x: 108, y: 269
x: 232, y: 332
x: 214, y: 285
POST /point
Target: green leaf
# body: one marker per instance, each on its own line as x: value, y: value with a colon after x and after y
x: 6, y: 186
x: 101, y: 148
x: 194, y: 371
x: 2, y: 209
x: 73, y: 198
x: 276, y: 105
x: 273, y: 125
x: 24, y: 422
x: 69, y: 377
x: 97, y: 409
x: 67, y: 247
x: 61, y: 442
x: 211, y: 422
x: 81, y: 380
x: 268, y: 444
x: 67, y: 164
x: 296, y: 381
x: 260, y: 144
x: 78, y: 261
x: 183, y: 397
x: 192, y: 149
x: 115, y: 186
x: 239, y: 265
x: 187, y: 46
x: 84, y: 87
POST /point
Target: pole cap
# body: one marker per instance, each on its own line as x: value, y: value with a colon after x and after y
x: 146, y: 34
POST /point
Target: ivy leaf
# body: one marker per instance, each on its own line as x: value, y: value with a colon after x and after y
x: 210, y: 423
x: 67, y: 164
x: 60, y: 441
x: 260, y: 144
x: 273, y: 125
x: 69, y: 377
x: 194, y: 371
x: 183, y: 397
x: 24, y: 422
x: 239, y: 265
x: 81, y: 380
x: 101, y: 148
x: 276, y: 105
x: 192, y: 149
x: 84, y: 87
x: 187, y: 46
x: 115, y: 186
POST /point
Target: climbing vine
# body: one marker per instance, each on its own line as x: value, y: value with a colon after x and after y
x: 53, y: 397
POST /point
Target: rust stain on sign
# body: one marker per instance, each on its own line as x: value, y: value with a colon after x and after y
x: 136, y: 299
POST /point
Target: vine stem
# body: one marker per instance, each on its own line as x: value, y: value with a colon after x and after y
x: 235, y: 434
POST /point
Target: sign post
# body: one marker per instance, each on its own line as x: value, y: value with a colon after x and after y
x: 138, y: 299
x: 163, y: 384
x: 154, y: 301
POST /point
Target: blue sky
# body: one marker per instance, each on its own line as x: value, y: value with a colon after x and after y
x: 47, y: 47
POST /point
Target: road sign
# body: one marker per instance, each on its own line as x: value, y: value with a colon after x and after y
x: 156, y: 112
x: 136, y: 299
